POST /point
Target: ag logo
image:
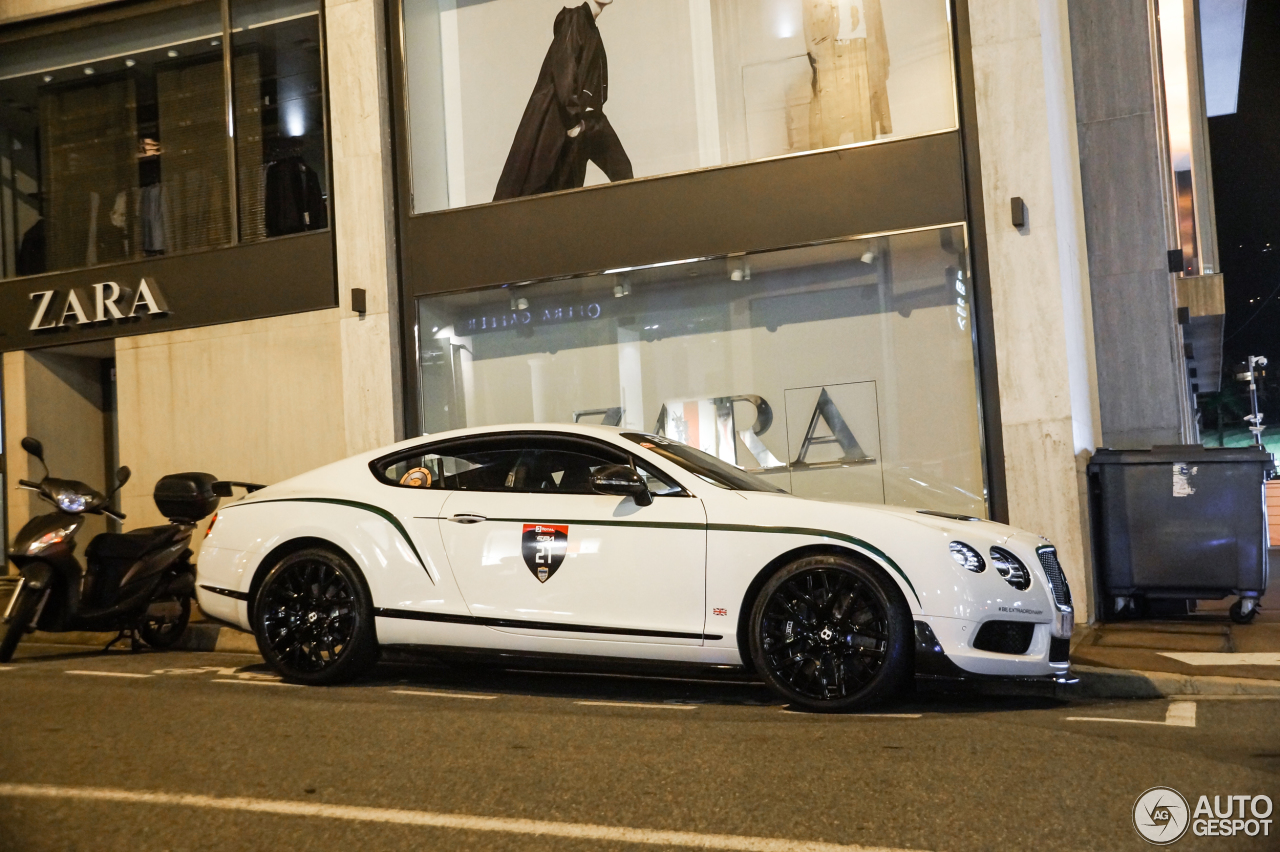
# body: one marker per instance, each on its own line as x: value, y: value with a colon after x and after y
x: 1160, y: 815
x: 543, y: 547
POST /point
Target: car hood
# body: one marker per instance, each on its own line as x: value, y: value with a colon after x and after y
x: 865, y: 518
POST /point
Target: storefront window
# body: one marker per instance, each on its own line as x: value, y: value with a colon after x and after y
x: 510, y: 98
x: 844, y: 371
x: 116, y: 143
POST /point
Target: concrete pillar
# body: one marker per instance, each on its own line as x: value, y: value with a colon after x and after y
x: 1126, y: 178
x: 364, y: 225
x: 1039, y: 274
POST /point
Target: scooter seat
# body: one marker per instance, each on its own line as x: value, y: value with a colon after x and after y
x: 132, y: 545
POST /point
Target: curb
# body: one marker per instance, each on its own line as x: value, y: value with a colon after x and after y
x: 197, y: 637
x: 1096, y: 682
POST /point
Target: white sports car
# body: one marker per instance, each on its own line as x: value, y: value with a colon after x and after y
x: 589, y: 541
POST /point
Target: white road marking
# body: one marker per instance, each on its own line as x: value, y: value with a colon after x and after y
x: 857, y: 715
x: 1205, y: 658
x: 104, y: 674
x: 396, y: 816
x: 1181, y: 714
x: 254, y: 682
x: 442, y: 694
x: 6, y: 668
x: 637, y: 704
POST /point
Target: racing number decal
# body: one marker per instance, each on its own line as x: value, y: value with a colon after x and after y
x: 543, y: 547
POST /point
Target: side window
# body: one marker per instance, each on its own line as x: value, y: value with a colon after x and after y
x: 462, y: 467
x: 525, y: 464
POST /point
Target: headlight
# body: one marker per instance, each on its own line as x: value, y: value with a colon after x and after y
x: 966, y: 557
x: 1011, y: 568
x: 49, y: 539
x: 70, y: 501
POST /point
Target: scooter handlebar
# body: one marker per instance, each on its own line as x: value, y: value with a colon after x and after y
x: 119, y: 516
x: 26, y: 483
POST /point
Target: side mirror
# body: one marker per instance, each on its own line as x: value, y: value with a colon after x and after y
x: 621, y: 481
x: 122, y: 476
x: 34, y: 447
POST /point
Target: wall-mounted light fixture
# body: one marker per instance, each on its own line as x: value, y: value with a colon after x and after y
x: 358, y: 301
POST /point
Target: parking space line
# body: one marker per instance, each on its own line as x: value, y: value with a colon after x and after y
x: 857, y: 715
x: 1181, y: 714
x: 104, y: 674
x: 463, y: 822
x: 443, y: 694
x: 254, y: 682
x: 637, y: 704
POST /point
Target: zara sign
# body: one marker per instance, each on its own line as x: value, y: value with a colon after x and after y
x: 105, y: 302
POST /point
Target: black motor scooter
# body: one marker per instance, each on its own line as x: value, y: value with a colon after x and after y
x: 138, y: 583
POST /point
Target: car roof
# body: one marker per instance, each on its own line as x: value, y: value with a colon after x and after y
x: 587, y: 430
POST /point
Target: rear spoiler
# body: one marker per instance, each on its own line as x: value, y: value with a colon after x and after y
x: 223, y: 487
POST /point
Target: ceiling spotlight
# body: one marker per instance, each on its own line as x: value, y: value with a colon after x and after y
x: 869, y: 257
x: 129, y: 63
x: 215, y: 42
x: 48, y: 78
x: 88, y: 69
x: 172, y: 54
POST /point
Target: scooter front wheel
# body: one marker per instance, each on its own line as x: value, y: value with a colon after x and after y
x: 24, y: 609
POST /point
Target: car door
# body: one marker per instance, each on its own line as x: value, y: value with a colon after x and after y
x: 536, y: 551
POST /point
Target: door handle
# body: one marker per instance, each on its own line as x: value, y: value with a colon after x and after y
x: 468, y: 519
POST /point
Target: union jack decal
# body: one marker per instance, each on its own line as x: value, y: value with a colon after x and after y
x: 719, y: 611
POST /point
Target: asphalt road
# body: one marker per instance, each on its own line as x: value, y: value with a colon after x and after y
x: 452, y: 758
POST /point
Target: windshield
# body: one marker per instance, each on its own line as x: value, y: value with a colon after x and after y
x: 702, y: 465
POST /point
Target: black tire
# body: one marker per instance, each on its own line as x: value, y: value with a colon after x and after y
x: 24, y: 609
x: 313, y: 619
x: 832, y: 633
x: 1235, y: 612
x: 162, y: 633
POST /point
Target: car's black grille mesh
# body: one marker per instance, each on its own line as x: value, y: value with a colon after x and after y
x: 1053, y: 571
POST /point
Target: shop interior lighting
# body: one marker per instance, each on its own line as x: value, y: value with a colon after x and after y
x: 88, y: 69
x: 172, y: 53
x: 129, y: 63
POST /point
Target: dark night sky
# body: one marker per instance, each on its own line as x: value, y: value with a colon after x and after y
x: 1245, y: 148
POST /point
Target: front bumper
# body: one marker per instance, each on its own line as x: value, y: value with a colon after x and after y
x: 943, y: 651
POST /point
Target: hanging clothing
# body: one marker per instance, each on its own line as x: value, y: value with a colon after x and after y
x: 151, y: 214
x: 293, y: 198
x: 30, y: 260
x: 849, y: 57
x: 571, y: 91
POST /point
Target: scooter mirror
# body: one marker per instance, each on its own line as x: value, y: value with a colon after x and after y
x: 34, y: 447
x: 122, y: 476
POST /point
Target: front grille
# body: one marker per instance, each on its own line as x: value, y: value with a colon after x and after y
x: 1004, y: 637
x: 1059, y: 650
x: 1053, y: 572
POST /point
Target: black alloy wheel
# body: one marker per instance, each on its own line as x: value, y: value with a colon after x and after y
x: 313, y: 618
x: 831, y: 633
x: 162, y: 632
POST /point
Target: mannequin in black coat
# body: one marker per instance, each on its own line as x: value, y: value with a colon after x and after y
x: 564, y: 126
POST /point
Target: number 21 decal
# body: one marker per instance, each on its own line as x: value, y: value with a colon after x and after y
x: 543, y: 547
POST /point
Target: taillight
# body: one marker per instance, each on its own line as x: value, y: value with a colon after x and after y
x: 211, y: 523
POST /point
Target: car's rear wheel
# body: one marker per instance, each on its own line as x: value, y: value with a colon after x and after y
x: 313, y: 618
x: 832, y: 633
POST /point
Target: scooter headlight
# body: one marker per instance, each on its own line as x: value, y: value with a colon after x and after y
x: 49, y: 539
x: 70, y: 501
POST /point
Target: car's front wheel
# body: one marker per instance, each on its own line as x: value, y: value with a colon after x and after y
x: 313, y: 618
x: 832, y: 633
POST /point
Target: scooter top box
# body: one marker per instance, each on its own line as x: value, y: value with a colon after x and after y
x: 186, y: 497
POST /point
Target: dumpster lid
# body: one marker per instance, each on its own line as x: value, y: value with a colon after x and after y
x: 1192, y: 453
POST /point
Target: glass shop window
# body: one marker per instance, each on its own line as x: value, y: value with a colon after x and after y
x: 842, y: 371
x: 279, y: 114
x: 115, y: 135
x: 512, y: 98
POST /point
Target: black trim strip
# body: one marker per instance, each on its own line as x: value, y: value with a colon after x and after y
x: 240, y: 596
x: 451, y: 618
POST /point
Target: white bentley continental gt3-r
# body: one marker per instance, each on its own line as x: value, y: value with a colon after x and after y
x: 598, y: 543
